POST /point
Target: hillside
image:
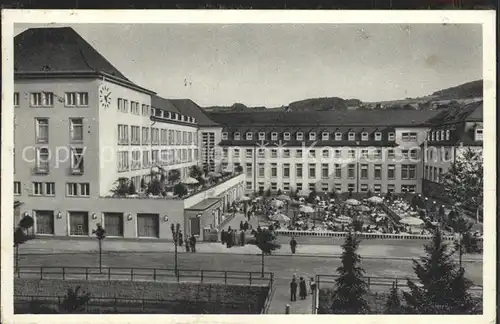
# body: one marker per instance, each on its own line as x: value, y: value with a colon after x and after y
x: 467, y: 90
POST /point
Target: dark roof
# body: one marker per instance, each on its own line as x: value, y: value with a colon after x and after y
x: 204, y: 204
x: 164, y: 104
x: 189, y: 108
x: 59, y: 50
x: 324, y: 118
x: 457, y: 114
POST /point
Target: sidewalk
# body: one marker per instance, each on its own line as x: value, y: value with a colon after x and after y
x: 54, y: 246
x: 281, y: 298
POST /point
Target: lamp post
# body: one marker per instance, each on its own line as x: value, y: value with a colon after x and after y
x: 175, y: 228
x: 100, y: 235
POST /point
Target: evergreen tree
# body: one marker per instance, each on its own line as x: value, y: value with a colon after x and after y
x: 351, y: 288
x: 442, y: 288
x: 393, y: 303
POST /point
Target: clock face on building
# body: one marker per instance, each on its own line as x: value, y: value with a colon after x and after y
x: 104, y: 96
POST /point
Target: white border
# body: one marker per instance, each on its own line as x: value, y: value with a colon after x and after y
x: 486, y: 18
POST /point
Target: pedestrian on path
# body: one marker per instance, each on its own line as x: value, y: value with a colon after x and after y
x: 312, y: 285
x: 302, y: 288
x: 192, y: 241
x: 293, y: 245
x: 293, y: 290
x: 186, y: 241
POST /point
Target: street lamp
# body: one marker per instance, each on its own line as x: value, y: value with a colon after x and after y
x: 100, y: 235
x: 175, y: 228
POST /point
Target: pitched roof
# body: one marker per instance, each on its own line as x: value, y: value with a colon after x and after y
x: 60, y: 50
x: 190, y: 108
x: 158, y: 102
x: 324, y: 118
x: 456, y: 114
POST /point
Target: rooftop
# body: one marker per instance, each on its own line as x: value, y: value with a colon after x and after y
x: 456, y: 114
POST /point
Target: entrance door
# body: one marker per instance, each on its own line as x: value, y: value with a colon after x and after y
x: 195, y: 226
x: 148, y: 225
x: 113, y: 224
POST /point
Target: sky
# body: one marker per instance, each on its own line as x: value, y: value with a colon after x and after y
x: 275, y: 64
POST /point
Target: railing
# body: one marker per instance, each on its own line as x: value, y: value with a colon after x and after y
x: 269, y: 296
x: 146, y: 274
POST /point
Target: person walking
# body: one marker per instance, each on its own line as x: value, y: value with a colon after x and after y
x: 293, y: 245
x: 312, y: 285
x: 192, y: 242
x: 293, y: 290
x: 302, y: 288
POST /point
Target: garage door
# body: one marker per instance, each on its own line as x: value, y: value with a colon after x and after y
x: 44, y: 220
x: 79, y: 223
x: 148, y: 225
x: 113, y: 224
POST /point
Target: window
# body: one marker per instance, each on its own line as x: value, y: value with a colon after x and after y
x: 438, y: 137
x: 274, y: 170
x: 145, y: 110
x: 135, y: 163
x: 312, y: 171
x: 377, y: 188
x: 37, y: 189
x: 433, y: 135
x: 41, y: 99
x: 447, y: 134
x: 42, y: 160
x: 377, y: 172
x: 44, y: 222
x: 274, y: 136
x: 338, y: 154
x: 300, y: 136
x: 338, y: 171
x: 249, y: 136
x: 338, y: 187
x: 391, y: 172
x: 442, y: 135
x: 447, y: 154
x: 391, y: 136
x: 364, y: 136
x: 408, y: 137
x: 298, y: 153
x: 286, y: 153
x: 377, y: 153
x: 123, y: 161
x: 261, y: 186
x: 16, y: 99
x: 408, y: 172
x: 312, y: 187
x: 73, y: 99
x: 325, y: 171
x: 312, y: 153
x: 351, y: 154
x: 364, y: 153
x: 286, y: 170
x: 274, y: 186
x: 262, y: 170
x: 299, y: 187
x: 408, y: 188
x: 236, y: 153
x: 338, y: 136
x: 352, y: 136
x: 324, y: 186
x: 286, y: 186
x: 312, y: 136
x: 248, y: 153
x: 50, y: 188
x: 325, y: 154
x: 286, y: 136
x: 391, y: 154
x: 363, y: 187
x: 391, y: 188
x: 325, y: 136
x: 351, y: 187
x: 248, y: 185
x: 413, y: 153
x: 378, y: 136
x: 42, y: 130
x: 17, y: 188
x: 236, y: 136
x: 77, y: 161
x: 135, y: 135
x: 404, y: 154
x: 262, y: 136
x: 145, y: 135
x: 364, y: 171
x: 154, y: 157
x: 76, y: 129
x: 249, y: 170
x: 261, y: 153
x: 298, y: 170
x: 439, y: 174
x: 479, y: 134
x: 155, y: 136
x: 274, y: 153
x: 224, y: 136
x: 123, y: 134
x: 350, y: 171
x: 431, y: 173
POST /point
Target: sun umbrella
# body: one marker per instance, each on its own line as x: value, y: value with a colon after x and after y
x: 280, y: 218
x: 245, y: 198
x: 363, y: 208
x: 190, y: 180
x: 306, y: 209
x: 283, y: 197
x: 412, y: 221
x: 276, y: 203
x: 376, y: 200
x: 353, y: 202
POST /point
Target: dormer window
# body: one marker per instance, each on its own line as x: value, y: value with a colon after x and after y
x: 338, y: 136
x: 378, y: 136
x: 479, y: 134
x: 364, y: 136
x: 447, y: 134
x: 237, y: 136
x: 437, y: 136
x: 325, y: 136
x: 433, y: 136
x: 352, y: 136
x: 262, y: 136
x: 286, y: 136
x: 391, y: 136
x: 224, y: 136
x: 152, y: 111
x: 274, y: 136
x: 312, y: 136
x: 442, y: 135
x: 300, y: 136
x: 249, y: 136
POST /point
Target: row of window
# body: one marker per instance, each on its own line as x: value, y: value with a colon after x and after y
x: 43, y: 156
x: 299, y: 136
x: 338, y: 187
x: 407, y: 171
x: 46, y: 99
x: 73, y: 189
x: 42, y: 130
x: 172, y: 116
x: 325, y: 153
x: 444, y: 135
x: 135, y: 160
x: 154, y: 136
x: 433, y: 173
x: 135, y: 107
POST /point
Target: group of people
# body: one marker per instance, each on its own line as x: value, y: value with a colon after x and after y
x: 189, y: 243
x: 302, y: 286
x: 232, y: 237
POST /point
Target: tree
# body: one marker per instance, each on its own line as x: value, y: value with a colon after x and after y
x: 21, y: 236
x: 393, y: 303
x: 180, y: 190
x: 122, y: 187
x: 75, y: 301
x: 131, y: 188
x: 265, y: 240
x: 463, y: 183
x: 100, y: 234
x: 238, y: 169
x: 443, y: 287
x: 348, y: 297
x: 154, y: 187
x: 196, y: 172
x: 174, y: 176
